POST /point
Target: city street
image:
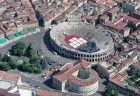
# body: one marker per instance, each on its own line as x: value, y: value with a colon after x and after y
x: 31, y: 80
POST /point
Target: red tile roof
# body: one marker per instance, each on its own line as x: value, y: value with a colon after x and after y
x: 117, y: 80
x: 48, y: 93
x: 134, y: 20
x: 85, y: 83
x: 117, y: 57
x: 67, y: 66
x: 64, y: 75
x: 91, y: 18
x: 126, y: 28
x: 9, y: 76
x: 125, y: 73
x: 109, y: 1
x: 120, y: 25
x: 137, y: 65
x: 67, y: 74
x: 137, y: 12
x: 4, y: 92
x: 104, y: 17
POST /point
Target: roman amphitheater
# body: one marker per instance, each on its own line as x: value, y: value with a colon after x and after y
x: 78, y: 40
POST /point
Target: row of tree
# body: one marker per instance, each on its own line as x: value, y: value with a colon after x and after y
x: 20, y: 49
x: 132, y: 26
x: 133, y: 71
x: 110, y: 92
x: 6, y: 63
x: 35, y: 66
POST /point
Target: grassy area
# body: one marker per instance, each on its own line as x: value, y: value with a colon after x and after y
x: 19, y: 62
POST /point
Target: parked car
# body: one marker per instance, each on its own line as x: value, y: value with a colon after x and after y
x: 53, y: 62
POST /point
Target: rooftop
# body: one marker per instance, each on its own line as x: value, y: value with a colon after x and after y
x: 67, y: 74
x: 4, y: 92
x: 48, y: 93
x: 9, y: 76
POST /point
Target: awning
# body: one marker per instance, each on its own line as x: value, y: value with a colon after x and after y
x: 3, y: 40
x: 17, y: 34
x: 10, y: 37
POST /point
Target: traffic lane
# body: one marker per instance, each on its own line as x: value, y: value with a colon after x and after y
x: 31, y: 80
x: 34, y: 83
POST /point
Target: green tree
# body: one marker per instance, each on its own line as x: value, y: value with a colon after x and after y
x: 108, y: 91
x: 37, y: 68
x: 126, y: 39
x: 31, y: 52
x: 30, y: 68
x: 6, y: 58
x: 115, y: 93
x: 125, y: 11
x: 1, y: 57
x: 34, y: 60
x: 133, y: 70
x: 5, y: 67
x: 43, y: 63
x: 12, y: 64
x: 14, y: 50
x: 24, y: 67
x: 18, y: 49
x: 132, y: 26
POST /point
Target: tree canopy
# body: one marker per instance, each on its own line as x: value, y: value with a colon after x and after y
x: 132, y: 26
x: 6, y: 58
x: 5, y: 67
x: 133, y: 70
x: 19, y: 49
x: 31, y: 51
x: 110, y: 92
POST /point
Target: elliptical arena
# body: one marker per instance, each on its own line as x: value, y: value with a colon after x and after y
x: 78, y: 40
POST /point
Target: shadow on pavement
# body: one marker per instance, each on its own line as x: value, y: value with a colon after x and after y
x: 46, y: 40
x: 49, y: 82
x: 100, y: 92
x: 105, y: 83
